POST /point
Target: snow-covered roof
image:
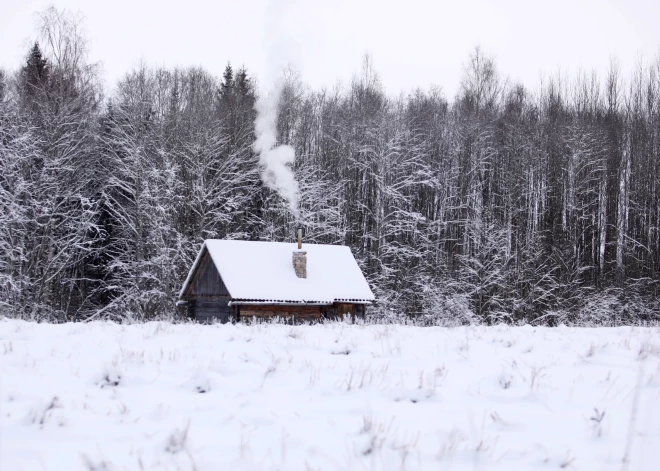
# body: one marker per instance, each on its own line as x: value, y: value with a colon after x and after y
x: 263, y: 272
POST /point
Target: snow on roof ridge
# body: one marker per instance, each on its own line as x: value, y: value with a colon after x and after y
x: 192, y: 270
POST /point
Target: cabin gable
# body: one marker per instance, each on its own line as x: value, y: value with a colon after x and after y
x: 206, y: 281
x: 206, y: 295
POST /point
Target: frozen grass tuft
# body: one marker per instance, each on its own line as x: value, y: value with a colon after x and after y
x: 177, y: 440
x: 342, y: 351
x: 46, y: 413
x: 505, y: 380
x: 649, y: 348
x: 94, y: 465
x: 597, y: 422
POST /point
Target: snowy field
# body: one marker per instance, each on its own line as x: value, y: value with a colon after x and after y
x: 102, y: 396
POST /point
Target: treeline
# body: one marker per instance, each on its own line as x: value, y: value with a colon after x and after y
x: 498, y: 205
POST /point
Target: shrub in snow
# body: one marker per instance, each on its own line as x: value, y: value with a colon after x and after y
x: 552, y: 318
x: 295, y: 333
x: 376, y: 433
x: 448, y: 309
x: 450, y: 444
x: 199, y: 383
x: 597, y: 421
x: 536, y: 373
x: 601, y: 309
x: 342, y: 351
x: 505, y: 380
x: 177, y: 440
x: 101, y: 465
x: 648, y: 348
x: 46, y: 413
x: 379, y: 315
x: 111, y: 377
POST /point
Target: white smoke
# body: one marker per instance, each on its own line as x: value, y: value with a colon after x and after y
x: 276, y: 161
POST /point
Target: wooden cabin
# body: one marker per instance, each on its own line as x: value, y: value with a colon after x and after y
x: 232, y: 279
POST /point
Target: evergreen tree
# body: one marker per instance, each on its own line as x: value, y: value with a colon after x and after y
x: 35, y: 71
x: 3, y: 85
x: 226, y: 94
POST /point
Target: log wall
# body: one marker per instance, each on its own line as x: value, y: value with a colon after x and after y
x: 266, y: 311
x: 302, y: 313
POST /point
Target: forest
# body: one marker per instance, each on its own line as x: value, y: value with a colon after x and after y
x: 500, y: 204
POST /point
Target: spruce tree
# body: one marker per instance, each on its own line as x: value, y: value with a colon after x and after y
x: 227, y: 86
x: 35, y: 72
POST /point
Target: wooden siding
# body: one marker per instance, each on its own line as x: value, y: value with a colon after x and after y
x: 206, y: 280
x: 303, y: 313
x: 266, y: 311
x: 210, y: 309
x: 345, y: 308
x: 337, y: 311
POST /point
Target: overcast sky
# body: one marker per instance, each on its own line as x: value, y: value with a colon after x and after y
x: 413, y: 43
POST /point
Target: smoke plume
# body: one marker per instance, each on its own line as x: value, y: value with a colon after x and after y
x: 276, y: 161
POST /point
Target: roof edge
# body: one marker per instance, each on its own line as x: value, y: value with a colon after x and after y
x: 244, y: 301
x: 192, y: 271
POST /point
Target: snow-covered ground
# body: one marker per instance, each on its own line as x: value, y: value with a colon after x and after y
x: 102, y: 396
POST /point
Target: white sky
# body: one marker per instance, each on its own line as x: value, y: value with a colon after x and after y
x: 413, y: 43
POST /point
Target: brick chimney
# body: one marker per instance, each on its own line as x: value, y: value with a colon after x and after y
x: 300, y: 258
